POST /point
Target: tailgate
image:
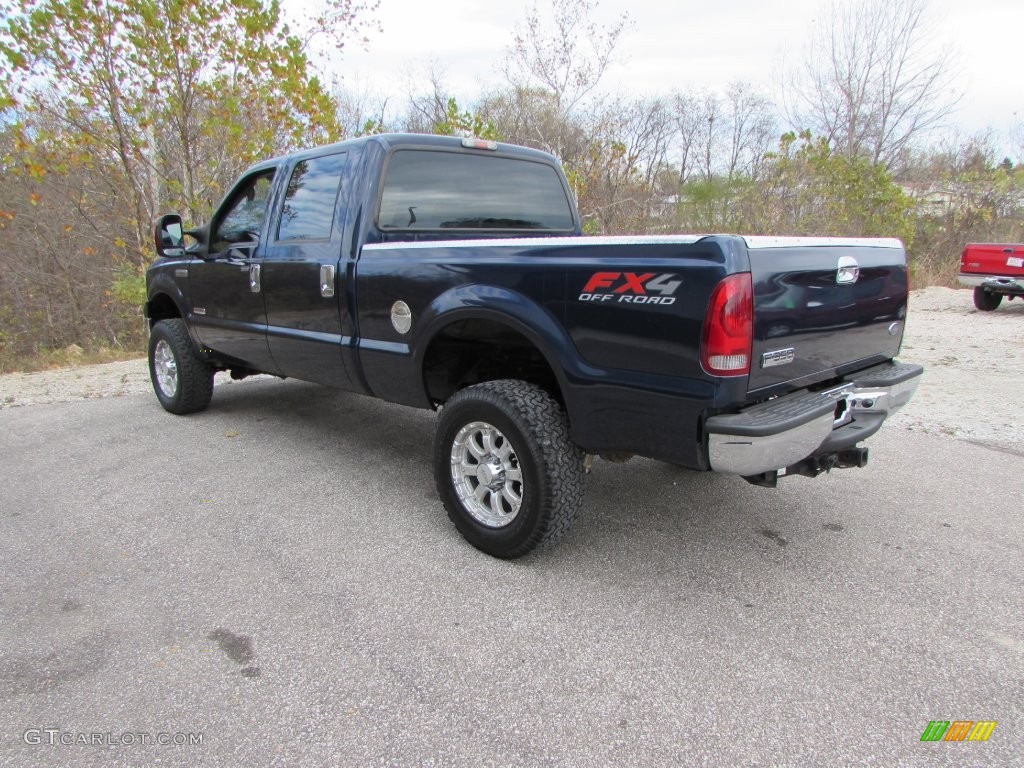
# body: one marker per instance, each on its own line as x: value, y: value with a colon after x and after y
x: 1003, y: 259
x: 824, y: 307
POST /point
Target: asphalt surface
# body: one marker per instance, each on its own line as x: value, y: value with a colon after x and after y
x: 277, y: 576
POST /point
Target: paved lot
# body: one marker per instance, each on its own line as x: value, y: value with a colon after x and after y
x: 277, y: 575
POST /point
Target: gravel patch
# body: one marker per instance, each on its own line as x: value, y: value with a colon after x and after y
x: 974, y: 368
x: 81, y: 382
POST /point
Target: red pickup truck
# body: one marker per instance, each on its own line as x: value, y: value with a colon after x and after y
x: 993, y: 270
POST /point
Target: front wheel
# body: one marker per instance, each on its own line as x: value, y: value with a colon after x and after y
x: 506, y: 468
x: 183, y: 382
x: 986, y: 301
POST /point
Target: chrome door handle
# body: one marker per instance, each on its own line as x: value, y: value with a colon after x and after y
x: 327, y: 280
x: 254, y: 278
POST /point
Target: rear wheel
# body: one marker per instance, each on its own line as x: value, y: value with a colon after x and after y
x: 183, y: 382
x: 986, y: 301
x: 506, y: 468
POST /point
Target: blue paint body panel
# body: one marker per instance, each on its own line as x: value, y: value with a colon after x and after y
x: 618, y: 319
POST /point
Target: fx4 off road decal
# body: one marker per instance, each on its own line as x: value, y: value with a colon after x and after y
x: 631, y: 288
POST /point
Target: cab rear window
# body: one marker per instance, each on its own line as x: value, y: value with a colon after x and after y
x: 431, y: 190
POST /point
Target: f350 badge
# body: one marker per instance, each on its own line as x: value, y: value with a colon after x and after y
x: 631, y: 288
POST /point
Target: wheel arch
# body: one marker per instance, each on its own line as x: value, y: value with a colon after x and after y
x: 165, y: 298
x: 477, y: 333
x: 162, y: 306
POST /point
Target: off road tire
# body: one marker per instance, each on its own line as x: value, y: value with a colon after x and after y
x: 506, y: 467
x: 183, y: 381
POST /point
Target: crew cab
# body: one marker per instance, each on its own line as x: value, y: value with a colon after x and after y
x: 451, y: 274
x: 993, y: 270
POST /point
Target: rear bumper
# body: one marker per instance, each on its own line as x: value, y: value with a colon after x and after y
x: 784, y: 431
x: 994, y: 283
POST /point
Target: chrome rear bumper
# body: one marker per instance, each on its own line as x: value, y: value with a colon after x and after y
x: 993, y: 282
x: 784, y: 431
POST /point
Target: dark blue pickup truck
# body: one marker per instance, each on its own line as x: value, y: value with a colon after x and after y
x: 452, y: 274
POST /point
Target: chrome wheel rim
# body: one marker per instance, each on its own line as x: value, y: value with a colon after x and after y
x: 486, y: 474
x: 166, y: 369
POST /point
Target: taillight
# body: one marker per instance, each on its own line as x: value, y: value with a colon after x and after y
x: 729, y: 328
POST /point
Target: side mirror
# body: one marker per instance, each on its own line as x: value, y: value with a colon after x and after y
x: 169, y: 236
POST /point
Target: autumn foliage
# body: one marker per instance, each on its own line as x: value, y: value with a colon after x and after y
x: 114, y: 111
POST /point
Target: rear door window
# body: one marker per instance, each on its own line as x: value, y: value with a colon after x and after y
x: 311, y: 198
x: 431, y: 190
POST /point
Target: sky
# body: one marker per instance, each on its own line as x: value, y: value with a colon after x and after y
x: 685, y: 44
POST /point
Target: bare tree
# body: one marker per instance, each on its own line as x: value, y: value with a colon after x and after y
x: 709, y: 128
x: 360, y: 111
x: 722, y: 135
x: 752, y: 129
x: 529, y: 116
x: 426, y: 108
x: 872, y: 80
x: 686, y: 113
x: 569, y: 55
x: 1017, y: 140
x: 565, y: 54
x: 620, y: 171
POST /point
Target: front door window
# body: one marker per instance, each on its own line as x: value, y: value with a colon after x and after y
x: 240, y: 227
